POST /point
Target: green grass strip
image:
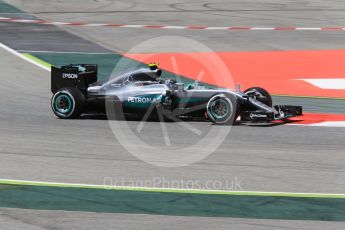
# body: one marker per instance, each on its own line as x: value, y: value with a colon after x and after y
x: 94, y: 198
x: 7, y: 8
x: 37, y: 60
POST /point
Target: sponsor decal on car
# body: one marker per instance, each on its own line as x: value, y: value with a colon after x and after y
x: 255, y: 115
x: 69, y: 75
x: 142, y: 99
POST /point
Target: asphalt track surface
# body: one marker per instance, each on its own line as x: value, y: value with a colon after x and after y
x: 36, y: 146
x: 267, y: 13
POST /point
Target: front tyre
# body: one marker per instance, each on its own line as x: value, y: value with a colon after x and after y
x: 68, y: 103
x: 260, y: 94
x: 222, y: 109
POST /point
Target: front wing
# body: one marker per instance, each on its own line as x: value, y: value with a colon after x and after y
x: 283, y: 112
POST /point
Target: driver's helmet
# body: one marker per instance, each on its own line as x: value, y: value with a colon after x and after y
x: 153, y: 66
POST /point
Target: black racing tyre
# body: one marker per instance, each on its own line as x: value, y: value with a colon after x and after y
x: 266, y: 96
x: 68, y: 103
x: 222, y: 109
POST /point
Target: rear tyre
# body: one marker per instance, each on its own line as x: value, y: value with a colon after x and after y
x: 68, y: 103
x: 222, y: 109
x: 264, y: 96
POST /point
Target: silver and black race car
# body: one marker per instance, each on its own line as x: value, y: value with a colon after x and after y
x: 144, y: 92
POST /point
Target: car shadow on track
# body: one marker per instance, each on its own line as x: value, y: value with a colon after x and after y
x: 269, y: 124
x: 130, y: 117
x: 155, y: 120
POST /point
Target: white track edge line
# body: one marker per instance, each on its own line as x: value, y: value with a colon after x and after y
x: 4, y: 181
x: 59, y: 52
x: 23, y: 57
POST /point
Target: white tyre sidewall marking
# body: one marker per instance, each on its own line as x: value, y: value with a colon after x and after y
x: 71, y: 97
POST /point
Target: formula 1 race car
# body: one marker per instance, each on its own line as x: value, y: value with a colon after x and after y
x: 76, y: 90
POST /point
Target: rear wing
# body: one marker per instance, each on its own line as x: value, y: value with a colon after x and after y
x: 78, y: 76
